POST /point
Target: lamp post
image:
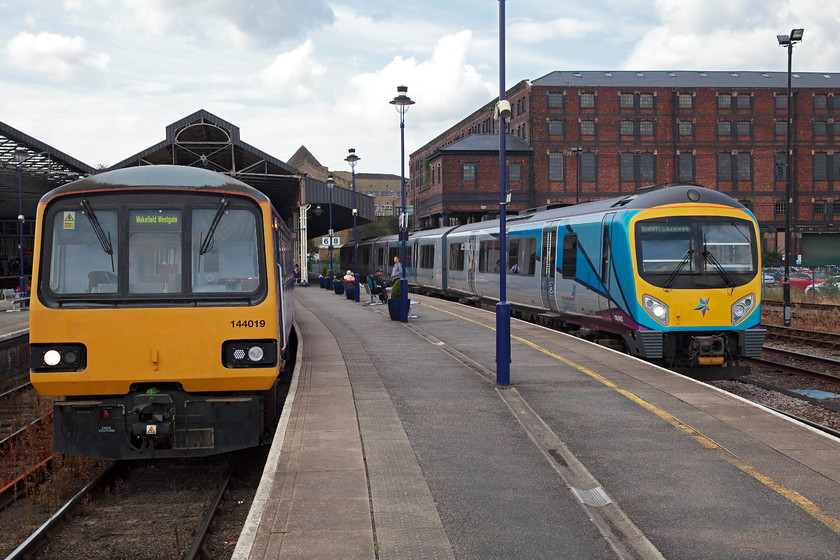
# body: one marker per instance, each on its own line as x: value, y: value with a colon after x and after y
x: 787, y: 41
x: 352, y: 159
x: 503, y: 307
x: 20, y: 157
x: 330, y: 185
x: 401, y: 103
x: 577, y: 150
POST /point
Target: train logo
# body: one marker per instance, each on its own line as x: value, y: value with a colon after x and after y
x: 704, y: 306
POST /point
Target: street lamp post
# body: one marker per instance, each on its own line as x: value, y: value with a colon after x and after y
x: 330, y: 185
x: 20, y: 157
x: 352, y: 159
x: 577, y: 150
x: 401, y: 103
x: 787, y: 41
x: 503, y: 113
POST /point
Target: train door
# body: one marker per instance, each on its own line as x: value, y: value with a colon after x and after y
x: 472, y: 261
x: 605, y: 302
x: 547, y: 277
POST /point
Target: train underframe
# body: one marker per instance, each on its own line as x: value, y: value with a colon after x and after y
x: 165, y: 421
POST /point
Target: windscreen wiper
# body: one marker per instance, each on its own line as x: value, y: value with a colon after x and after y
x: 683, y: 262
x: 208, y: 241
x: 104, y: 239
x: 711, y: 259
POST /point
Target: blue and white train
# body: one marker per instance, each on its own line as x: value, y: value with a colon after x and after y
x: 670, y: 273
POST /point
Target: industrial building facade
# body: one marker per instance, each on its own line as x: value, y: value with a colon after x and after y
x: 579, y: 136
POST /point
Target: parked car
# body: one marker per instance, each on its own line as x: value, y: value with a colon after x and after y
x: 803, y: 279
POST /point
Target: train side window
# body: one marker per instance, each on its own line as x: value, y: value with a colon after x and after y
x: 456, y: 256
x: 530, y: 250
x: 488, y: 256
x: 570, y: 245
x: 427, y: 256
x: 513, y: 256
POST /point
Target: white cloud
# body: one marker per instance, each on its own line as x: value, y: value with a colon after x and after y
x: 529, y: 31
x: 738, y: 35
x: 56, y: 56
x: 296, y: 72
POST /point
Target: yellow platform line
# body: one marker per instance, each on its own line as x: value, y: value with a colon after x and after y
x: 791, y: 495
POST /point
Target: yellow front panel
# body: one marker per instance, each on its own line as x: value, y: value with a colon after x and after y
x: 153, y: 345
x: 694, y: 308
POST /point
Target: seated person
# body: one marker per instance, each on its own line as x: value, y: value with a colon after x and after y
x: 297, y: 274
x: 379, y: 286
x: 349, y: 277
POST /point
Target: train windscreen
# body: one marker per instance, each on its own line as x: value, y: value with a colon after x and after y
x: 145, y: 248
x: 691, y: 252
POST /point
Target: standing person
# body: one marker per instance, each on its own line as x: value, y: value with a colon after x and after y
x: 297, y: 274
x: 396, y: 272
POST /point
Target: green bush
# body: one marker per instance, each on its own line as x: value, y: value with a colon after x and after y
x: 395, y: 289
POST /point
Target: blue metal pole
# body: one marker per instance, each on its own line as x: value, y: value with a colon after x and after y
x: 788, y: 197
x: 329, y: 188
x: 355, y: 239
x: 403, y: 229
x: 20, y: 228
x: 503, y: 307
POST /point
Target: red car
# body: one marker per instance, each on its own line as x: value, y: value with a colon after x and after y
x: 802, y: 279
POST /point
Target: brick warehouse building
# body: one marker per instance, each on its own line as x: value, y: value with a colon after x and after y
x: 589, y: 135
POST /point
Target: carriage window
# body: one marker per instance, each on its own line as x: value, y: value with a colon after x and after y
x: 427, y: 256
x: 489, y: 256
x: 570, y: 246
x: 154, y: 251
x: 456, y: 256
x: 79, y: 261
x: 230, y: 262
x: 513, y: 256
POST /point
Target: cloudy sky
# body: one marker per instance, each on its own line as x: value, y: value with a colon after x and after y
x: 101, y: 79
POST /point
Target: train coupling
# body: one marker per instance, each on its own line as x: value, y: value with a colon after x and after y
x: 152, y: 417
x: 707, y: 350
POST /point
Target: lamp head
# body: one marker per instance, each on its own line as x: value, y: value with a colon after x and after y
x: 352, y: 158
x: 402, y: 101
x: 796, y: 35
x: 20, y: 154
x: 330, y: 181
x: 784, y: 40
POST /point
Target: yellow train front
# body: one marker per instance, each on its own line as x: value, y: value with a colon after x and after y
x: 161, y: 311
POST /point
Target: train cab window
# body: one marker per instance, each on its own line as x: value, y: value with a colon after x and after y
x: 691, y: 252
x: 154, y: 251
x: 225, y: 258
x: 84, y: 252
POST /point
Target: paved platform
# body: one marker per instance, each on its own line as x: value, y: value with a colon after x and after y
x: 398, y: 444
x: 13, y: 323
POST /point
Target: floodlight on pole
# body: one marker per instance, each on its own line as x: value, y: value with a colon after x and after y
x: 787, y: 41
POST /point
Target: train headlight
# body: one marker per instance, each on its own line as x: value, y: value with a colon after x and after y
x: 249, y: 353
x: 656, y: 309
x: 742, y: 308
x: 57, y: 357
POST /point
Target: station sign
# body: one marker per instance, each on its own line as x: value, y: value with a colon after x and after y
x: 331, y: 241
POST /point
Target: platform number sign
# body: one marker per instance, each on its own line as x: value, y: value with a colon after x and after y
x: 331, y: 241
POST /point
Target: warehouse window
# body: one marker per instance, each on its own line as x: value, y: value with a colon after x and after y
x: 555, y: 166
x: 587, y: 100
x: 556, y: 128
x: 468, y: 172
x: 555, y: 100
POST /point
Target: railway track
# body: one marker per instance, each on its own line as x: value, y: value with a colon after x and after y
x: 163, y: 508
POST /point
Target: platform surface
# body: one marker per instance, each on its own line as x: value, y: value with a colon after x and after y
x: 399, y: 444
